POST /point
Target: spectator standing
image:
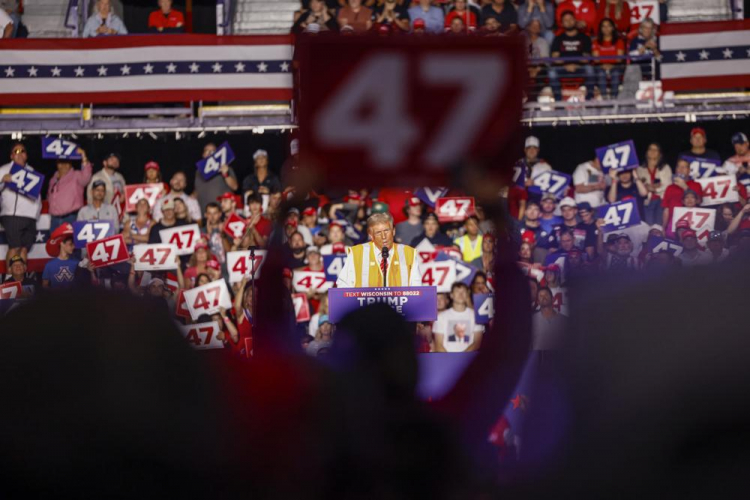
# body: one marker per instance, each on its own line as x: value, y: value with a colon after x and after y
x: 675, y: 192
x: 547, y: 325
x: 166, y: 19
x: 114, y: 182
x: 486, y: 261
x: 584, y: 12
x: 698, y: 148
x: 432, y: 233
x: 65, y: 191
x: 608, y: 43
x: 177, y: 185
x: 538, y: 47
x: 739, y: 164
x: 549, y: 221
x: 455, y: 329
x: 261, y: 181
x: 18, y: 213
x: 624, y: 186
x: 656, y: 176
x: 431, y: 16
x: 590, y: 183
x: 59, y: 273
x: 259, y: 227
x: 692, y: 253
x: 461, y: 10
x: 17, y: 269
x: 98, y: 209
x: 531, y: 163
x: 356, y: 16
x: 504, y: 12
x: 393, y: 13
x: 616, y: 10
x: 470, y: 243
x: 571, y: 43
x: 588, y: 224
x: 538, y: 10
x: 208, y: 191
x: 316, y: 15
x: 168, y: 220
x: 104, y: 22
x: 409, y: 229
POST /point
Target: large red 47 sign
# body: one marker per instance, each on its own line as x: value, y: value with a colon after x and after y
x: 405, y: 110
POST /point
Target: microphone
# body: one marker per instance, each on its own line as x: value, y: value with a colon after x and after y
x: 384, y: 253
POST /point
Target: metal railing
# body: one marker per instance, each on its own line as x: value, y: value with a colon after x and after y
x: 224, y: 16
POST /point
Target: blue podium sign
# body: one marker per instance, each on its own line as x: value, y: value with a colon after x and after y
x: 414, y: 303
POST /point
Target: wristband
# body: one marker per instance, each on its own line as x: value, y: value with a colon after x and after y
x: 225, y: 175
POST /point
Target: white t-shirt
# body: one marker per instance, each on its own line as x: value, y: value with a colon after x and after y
x: 586, y: 174
x: 458, y: 329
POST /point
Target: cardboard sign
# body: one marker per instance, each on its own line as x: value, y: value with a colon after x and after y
x: 84, y: 232
x: 643, y: 9
x: 464, y: 272
x: 701, y: 220
x: 155, y: 257
x: 315, y: 281
x: 703, y: 168
x: 240, y: 264
x: 181, y: 308
x: 59, y: 149
x: 183, y: 237
x: 619, y: 215
x: 107, y: 252
x: 430, y: 195
x: 10, y: 291
x: 656, y: 245
x: 25, y: 181
x: 415, y: 303
x: 203, y: 335
x: 435, y: 102
x: 235, y: 226
x: 718, y: 190
x: 301, y: 307
x: 621, y: 156
x: 208, y: 298
x: 210, y: 167
x: 441, y: 275
x: 519, y: 174
x: 426, y: 251
x: 550, y: 181
x: 484, y: 307
x: 454, y: 209
x: 332, y: 265
x: 136, y: 192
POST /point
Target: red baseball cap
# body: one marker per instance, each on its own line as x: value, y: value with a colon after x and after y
x: 413, y: 201
x: 419, y: 23
x: 214, y: 264
x: 201, y: 243
x: 286, y: 273
x: 489, y: 236
x: 338, y: 248
x: 58, y: 235
x: 150, y: 165
x: 697, y: 130
x: 688, y: 233
x: 309, y: 211
x: 683, y: 224
x: 528, y: 237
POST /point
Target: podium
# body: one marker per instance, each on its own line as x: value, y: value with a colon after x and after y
x: 414, y: 303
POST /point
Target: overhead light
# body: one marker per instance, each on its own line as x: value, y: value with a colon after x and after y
x: 202, y: 134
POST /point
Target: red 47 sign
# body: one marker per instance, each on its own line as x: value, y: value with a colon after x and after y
x: 208, y: 299
x: 10, y: 291
x: 405, y: 110
x: 440, y: 274
x: 235, y: 226
x: 183, y: 237
x: 155, y: 257
x: 301, y: 307
x: 136, y: 192
x: 310, y: 280
x: 455, y: 209
x: 241, y: 264
x: 181, y: 308
x: 108, y: 251
x: 203, y: 335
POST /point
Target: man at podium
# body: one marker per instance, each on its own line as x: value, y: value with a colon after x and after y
x: 366, y: 263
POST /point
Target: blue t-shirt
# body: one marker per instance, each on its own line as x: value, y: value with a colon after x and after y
x: 60, y: 273
x: 549, y: 225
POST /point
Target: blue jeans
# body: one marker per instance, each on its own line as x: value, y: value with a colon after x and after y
x: 56, y: 222
x: 652, y: 213
x: 556, y: 72
x: 616, y: 79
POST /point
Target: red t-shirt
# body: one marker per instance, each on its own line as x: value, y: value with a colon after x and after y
x: 515, y: 195
x: 673, y: 198
x: 607, y: 48
x: 174, y: 19
x: 264, y: 227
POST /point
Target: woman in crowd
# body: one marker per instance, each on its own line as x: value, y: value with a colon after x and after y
x: 608, y: 43
x: 136, y: 227
x: 656, y: 175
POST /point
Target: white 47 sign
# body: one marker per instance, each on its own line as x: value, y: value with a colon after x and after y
x: 155, y: 257
x: 454, y: 209
x: 203, y: 335
x: 182, y: 237
x: 701, y: 220
x: 208, y: 299
x: 440, y: 274
x: 719, y: 189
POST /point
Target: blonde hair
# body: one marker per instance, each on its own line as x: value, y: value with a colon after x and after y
x: 383, y: 218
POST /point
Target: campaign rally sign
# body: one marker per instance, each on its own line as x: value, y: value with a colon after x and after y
x: 241, y: 264
x: 301, y: 307
x: 209, y: 167
x: 619, y: 215
x: 656, y: 244
x: 208, y: 298
x: 155, y: 257
x: 519, y: 174
x: 454, y: 209
x: 235, y: 226
x: 310, y: 281
x: 203, y: 335
x: 430, y: 195
x: 59, y: 149
x: 703, y: 168
x: 11, y: 291
x: 108, y: 252
x: 183, y: 237
x: 484, y: 307
x: 332, y: 266
x: 464, y: 272
x: 718, y: 190
x: 181, y: 308
x: 426, y: 251
x: 440, y: 274
x: 701, y: 220
x: 550, y: 181
x: 620, y: 156
x: 644, y: 9
x: 84, y: 232
x: 25, y: 181
x: 416, y: 303
x: 136, y: 192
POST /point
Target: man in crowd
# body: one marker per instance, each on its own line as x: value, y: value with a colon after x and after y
x: 431, y: 16
x: 544, y: 240
x: 214, y: 231
x: 18, y: 213
x: 531, y: 163
x: 168, y: 220
x: 59, y: 273
x: 114, y: 182
x: 675, y: 192
x: 336, y: 238
x: 590, y: 183
x: 98, y: 209
x: 65, y: 192
x: 104, y: 22
x: 455, y: 329
x: 228, y: 204
x: 549, y: 221
x: 432, y: 233
x: 258, y: 227
x: 178, y: 184
x: 261, y: 181
x: 398, y: 261
x: 470, y: 243
x: 547, y: 325
x: 295, y: 252
x: 716, y: 246
x: 308, y: 224
x: 504, y: 13
x: 571, y: 43
x: 698, y: 148
x: 409, y: 229
x: 588, y: 224
x: 692, y: 253
x: 207, y: 191
x: 18, y: 275
x: 739, y: 164
x: 166, y: 19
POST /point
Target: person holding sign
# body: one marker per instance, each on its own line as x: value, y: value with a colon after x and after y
x: 656, y: 175
x: 59, y: 273
x: 625, y: 186
x: 167, y: 221
x: 18, y: 213
x: 366, y: 263
x: 65, y: 191
x: 674, y: 194
x: 207, y: 191
x: 590, y: 183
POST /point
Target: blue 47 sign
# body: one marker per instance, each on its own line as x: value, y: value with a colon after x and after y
x: 656, y: 245
x: 332, y: 265
x: 618, y: 216
x: 550, y: 182
x: 59, y: 149
x: 484, y: 307
x: 703, y: 168
x: 25, y: 181
x: 209, y: 167
x: 430, y: 195
x: 85, y: 232
x: 620, y: 156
